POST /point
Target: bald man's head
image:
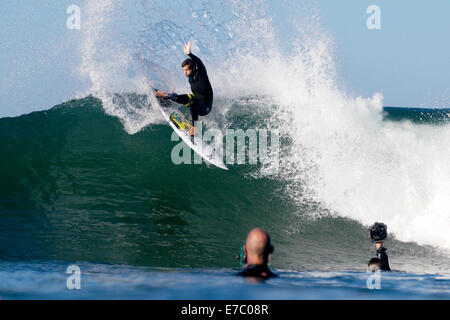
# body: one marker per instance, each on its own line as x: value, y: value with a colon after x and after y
x: 258, y: 246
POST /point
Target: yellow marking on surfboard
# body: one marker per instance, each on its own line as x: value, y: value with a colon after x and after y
x: 180, y: 122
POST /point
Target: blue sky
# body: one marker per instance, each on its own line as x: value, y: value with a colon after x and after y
x: 407, y: 60
x: 37, y: 56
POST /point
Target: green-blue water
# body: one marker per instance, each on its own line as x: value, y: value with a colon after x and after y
x: 76, y: 188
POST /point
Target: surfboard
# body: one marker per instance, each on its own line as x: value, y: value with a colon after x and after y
x: 181, y: 126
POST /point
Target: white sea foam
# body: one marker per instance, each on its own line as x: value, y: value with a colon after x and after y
x: 343, y: 155
x: 352, y: 162
x: 107, y: 62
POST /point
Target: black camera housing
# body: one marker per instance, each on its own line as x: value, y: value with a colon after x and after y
x: 377, y: 232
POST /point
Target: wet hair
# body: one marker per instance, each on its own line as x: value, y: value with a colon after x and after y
x: 188, y: 62
x: 374, y: 264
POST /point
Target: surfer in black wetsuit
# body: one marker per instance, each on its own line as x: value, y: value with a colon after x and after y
x: 256, y: 255
x: 201, y: 100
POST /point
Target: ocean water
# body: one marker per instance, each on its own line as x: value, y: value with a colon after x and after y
x: 90, y: 182
x: 48, y: 280
x: 77, y: 189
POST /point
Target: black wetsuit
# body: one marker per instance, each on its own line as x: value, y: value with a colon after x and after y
x: 382, y: 255
x: 257, y: 271
x: 200, y: 103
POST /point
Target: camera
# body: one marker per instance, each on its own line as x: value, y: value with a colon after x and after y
x: 377, y: 232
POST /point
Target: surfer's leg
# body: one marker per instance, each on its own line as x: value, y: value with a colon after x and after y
x: 194, y: 111
x: 198, y: 108
x: 202, y: 108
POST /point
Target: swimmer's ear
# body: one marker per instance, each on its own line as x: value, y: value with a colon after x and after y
x: 244, y: 254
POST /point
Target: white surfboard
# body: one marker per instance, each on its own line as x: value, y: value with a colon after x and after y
x: 195, y: 143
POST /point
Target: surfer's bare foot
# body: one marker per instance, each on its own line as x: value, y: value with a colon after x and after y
x: 192, y: 131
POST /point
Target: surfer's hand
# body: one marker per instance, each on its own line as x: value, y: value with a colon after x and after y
x: 187, y: 48
x: 192, y: 131
x: 378, y: 245
x: 161, y: 94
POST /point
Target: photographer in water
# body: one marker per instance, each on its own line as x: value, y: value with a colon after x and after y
x: 378, y: 233
x: 255, y: 255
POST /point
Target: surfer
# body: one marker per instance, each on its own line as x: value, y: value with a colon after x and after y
x: 201, y: 99
x: 256, y: 255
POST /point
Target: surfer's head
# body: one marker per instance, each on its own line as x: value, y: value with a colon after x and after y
x: 374, y: 265
x: 258, y: 247
x: 188, y: 66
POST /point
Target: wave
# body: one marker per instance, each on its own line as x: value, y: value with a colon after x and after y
x: 343, y: 166
x: 76, y: 186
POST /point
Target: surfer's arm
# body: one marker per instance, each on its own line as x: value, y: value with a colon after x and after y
x: 198, y: 62
x: 178, y: 98
x: 200, y: 66
x: 184, y: 99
